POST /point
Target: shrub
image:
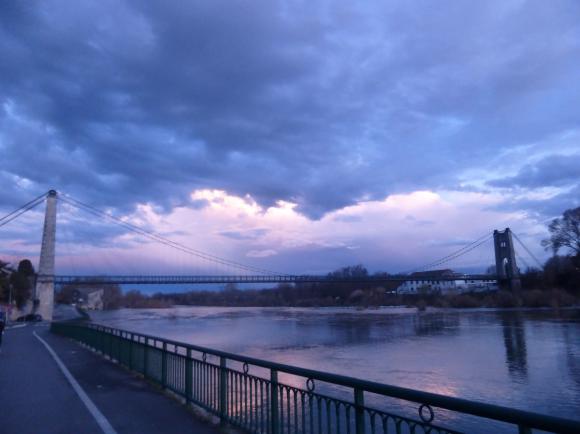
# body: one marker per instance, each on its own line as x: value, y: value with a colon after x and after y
x: 536, y: 298
x: 464, y: 301
x: 559, y: 298
x: 506, y: 299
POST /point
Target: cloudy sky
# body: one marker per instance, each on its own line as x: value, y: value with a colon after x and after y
x: 298, y: 136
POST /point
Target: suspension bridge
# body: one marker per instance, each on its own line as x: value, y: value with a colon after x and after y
x: 507, y: 273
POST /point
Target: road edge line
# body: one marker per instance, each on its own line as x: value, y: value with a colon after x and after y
x: 14, y: 327
x: 99, y: 417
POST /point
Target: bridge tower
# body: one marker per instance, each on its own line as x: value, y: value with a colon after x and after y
x: 505, y: 260
x: 44, y: 291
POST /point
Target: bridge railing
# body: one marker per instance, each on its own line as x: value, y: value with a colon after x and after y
x: 272, y: 398
x: 223, y: 279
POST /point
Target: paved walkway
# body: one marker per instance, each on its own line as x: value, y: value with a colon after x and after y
x: 36, y: 396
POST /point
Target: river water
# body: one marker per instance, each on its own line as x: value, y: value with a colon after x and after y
x: 526, y: 359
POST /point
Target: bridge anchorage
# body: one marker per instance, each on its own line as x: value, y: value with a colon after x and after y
x: 507, y: 274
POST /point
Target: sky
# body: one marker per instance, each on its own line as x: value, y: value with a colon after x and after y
x: 288, y: 135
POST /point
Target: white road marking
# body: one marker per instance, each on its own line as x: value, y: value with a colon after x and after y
x: 17, y: 326
x: 99, y: 417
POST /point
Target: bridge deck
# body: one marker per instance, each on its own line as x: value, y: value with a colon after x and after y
x: 39, y: 399
x: 153, y: 279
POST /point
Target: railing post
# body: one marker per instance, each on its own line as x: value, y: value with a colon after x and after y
x: 164, y: 365
x: 130, y: 339
x: 274, y: 422
x: 93, y: 337
x: 110, y: 335
x: 96, y: 342
x: 146, y: 358
x: 120, y: 347
x: 223, y: 383
x: 359, y: 403
x: 188, y: 377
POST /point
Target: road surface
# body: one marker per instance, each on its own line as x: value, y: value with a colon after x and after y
x: 52, y: 385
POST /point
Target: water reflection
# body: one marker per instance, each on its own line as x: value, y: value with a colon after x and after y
x: 572, y: 343
x: 299, y: 330
x: 435, y: 324
x: 514, y: 339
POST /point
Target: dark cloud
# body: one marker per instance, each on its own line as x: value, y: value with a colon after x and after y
x: 21, y: 237
x: 561, y: 173
x: 449, y: 243
x: 251, y: 234
x: 552, y: 171
x: 418, y: 222
x: 120, y: 103
x: 545, y: 208
x: 91, y: 233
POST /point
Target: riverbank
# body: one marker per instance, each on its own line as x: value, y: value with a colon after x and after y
x: 500, y: 299
x: 290, y: 297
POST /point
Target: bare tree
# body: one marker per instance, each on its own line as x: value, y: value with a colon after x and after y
x: 565, y: 233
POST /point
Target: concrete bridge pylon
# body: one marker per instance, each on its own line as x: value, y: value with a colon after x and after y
x: 508, y: 274
x: 44, y: 291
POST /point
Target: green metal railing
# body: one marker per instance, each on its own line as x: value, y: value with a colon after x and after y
x: 282, y: 399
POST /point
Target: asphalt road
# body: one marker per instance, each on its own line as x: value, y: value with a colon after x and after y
x: 36, y: 397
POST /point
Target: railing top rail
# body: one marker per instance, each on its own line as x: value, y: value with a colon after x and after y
x: 476, y: 408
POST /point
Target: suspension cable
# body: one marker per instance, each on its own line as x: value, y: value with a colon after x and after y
x: 465, y: 249
x: 155, y: 237
x: 441, y: 262
x: 520, y: 259
x: 528, y: 250
x: 22, y: 210
x: 160, y: 239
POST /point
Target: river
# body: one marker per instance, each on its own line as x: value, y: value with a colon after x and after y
x: 526, y: 359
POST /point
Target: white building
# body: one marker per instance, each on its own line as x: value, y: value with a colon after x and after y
x: 89, y: 298
x: 444, y: 282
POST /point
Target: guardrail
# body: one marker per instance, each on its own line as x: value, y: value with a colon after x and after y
x: 263, y: 402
